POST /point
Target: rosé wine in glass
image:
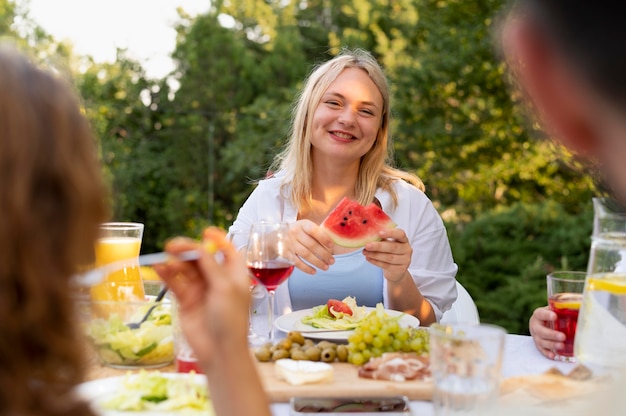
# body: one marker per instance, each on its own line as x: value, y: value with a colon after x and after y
x: 270, y: 259
x: 271, y: 273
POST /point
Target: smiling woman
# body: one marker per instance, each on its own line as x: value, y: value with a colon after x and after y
x: 340, y: 147
x: 144, y: 27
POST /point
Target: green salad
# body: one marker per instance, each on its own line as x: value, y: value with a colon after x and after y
x: 322, y: 318
x: 150, y: 344
x: 152, y: 391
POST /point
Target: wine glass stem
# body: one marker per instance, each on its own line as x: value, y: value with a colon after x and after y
x: 270, y: 315
x: 251, y: 333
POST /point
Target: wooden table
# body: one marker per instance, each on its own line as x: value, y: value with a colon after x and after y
x: 520, y: 358
x: 346, y: 383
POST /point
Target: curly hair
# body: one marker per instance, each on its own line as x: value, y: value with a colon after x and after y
x: 53, y: 199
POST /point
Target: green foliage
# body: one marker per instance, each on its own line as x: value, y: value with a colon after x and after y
x: 505, y: 255
x: 183, y: 152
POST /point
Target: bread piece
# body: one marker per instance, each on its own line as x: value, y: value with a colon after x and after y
x: 552, y: 385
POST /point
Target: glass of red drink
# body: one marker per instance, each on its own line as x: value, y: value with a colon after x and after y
x: 270, y: 259
x: 565, y: 292
x: 239, y: 239
x: 184, y: 357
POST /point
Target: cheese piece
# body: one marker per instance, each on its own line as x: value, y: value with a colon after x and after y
x: 297, y: 372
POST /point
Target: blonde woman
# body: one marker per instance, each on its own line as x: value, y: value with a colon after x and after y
x: 340, y: 146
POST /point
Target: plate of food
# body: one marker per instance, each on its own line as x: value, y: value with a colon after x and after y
x: 148, y: 393
x: 337, y: 319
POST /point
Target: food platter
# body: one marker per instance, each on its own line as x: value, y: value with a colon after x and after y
x: 100, y: 390
x: 293, y: 322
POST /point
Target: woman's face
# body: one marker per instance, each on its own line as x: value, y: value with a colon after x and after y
x: 347, y: 118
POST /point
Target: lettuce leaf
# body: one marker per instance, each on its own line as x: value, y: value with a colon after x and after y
x: 155, y: 392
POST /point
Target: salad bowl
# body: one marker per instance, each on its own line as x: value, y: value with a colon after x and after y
x: 130, y: 331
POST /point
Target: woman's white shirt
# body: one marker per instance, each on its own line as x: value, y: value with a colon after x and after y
x: 432, y: 266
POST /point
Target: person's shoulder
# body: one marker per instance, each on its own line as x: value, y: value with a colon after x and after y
x: 406, y: 190
x: 271, y: 180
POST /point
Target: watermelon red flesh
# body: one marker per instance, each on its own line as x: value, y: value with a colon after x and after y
x: 351, y: 224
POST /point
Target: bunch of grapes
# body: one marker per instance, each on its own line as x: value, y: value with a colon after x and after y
x: 380, y: 333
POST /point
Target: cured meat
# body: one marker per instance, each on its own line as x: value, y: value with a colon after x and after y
x: 397, y: 366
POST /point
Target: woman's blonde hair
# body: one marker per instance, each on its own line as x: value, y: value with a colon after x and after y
x: 375, y: 170
x: 52, y: 202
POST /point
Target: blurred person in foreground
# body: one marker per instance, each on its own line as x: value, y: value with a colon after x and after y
x: 569, y: 58
x: 52, y: 202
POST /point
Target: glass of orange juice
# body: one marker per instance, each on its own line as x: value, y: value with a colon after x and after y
x: 119, y: 243
x: 565, y: 293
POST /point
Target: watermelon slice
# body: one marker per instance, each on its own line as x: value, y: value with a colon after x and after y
x: 351, y: 224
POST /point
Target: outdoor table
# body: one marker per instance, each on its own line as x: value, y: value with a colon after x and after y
x: 520, y: 358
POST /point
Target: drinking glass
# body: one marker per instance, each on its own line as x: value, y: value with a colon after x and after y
x: 239, y: 239
x: 565, y: 290
x: 270, y: 259
x: 466, y: 362
x: 601, y: 335
x: 119, y: 242
x: 185, y: 358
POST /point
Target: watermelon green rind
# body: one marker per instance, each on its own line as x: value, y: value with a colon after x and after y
x: 352, y: 225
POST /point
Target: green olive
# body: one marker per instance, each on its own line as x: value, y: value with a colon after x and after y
x: 279, y: 353
x: 326, y: 344
x: 342, y: 353
x: 298, y: 354
x: 296, y: 337
x: 285, y: 344
x: 313, y: 353
x: 263, y: 354
x: 328, y: 355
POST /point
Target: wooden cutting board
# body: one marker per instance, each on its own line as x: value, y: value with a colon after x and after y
x: 346, y: 383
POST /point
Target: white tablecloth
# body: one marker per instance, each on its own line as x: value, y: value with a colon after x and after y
x: 520, y: 358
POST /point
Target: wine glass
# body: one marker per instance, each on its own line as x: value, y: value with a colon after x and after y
x: 239, y: 239
x: 270, y: 259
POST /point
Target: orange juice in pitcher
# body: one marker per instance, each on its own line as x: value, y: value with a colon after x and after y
x: 119, y: 243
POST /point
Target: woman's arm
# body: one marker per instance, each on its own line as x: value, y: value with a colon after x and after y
x: 213, y: 299
x: 431, y: 267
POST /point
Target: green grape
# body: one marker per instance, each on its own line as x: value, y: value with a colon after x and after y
x: 402, y: 335
x: 396, y: 345
x: 356, y: 358
x: 377, y: 342
x: 380, y: 333
x: 355, y: 337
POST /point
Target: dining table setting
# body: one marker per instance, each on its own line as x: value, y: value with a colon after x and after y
x: 335, y: 356
x: 520, y: 359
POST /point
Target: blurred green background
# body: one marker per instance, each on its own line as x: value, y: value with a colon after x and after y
x: 180, y: 152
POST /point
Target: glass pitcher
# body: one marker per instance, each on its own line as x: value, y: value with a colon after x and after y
x: 601, y: 334
x: 608, y: 216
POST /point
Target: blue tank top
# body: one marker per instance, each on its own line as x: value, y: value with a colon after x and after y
x: 351, y: 275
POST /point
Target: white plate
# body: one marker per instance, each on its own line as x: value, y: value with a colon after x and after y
x: 293, y: 322
x: 96, y: 391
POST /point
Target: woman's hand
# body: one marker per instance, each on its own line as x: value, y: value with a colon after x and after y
x: 212, y: 294
x: 546, y: 340
x: 311, y: 244
x: 392, y: 254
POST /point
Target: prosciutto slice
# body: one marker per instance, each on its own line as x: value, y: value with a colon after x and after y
x: 397, y: 366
